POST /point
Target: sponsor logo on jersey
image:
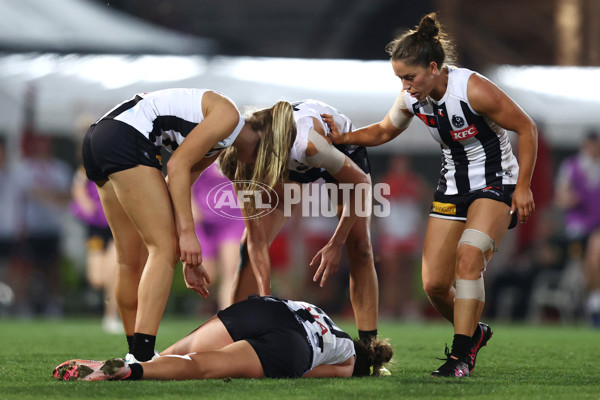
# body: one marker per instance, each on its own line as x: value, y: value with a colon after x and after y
x: 444, y: 208
x: 506, y: 172
x: 496, y: 191
x: 297, y: 166
x: 458, y: 121
x: 463, y: 134
x: 430, y: 120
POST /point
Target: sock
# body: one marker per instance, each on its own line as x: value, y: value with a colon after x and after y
x: 143, y: 346
x: 461, y: 346
x: 130, y: 343
x: 369, y: 335
x: 477, y: 332
x: 137, y: 371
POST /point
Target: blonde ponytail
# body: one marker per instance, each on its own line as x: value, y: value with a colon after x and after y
x: 228, y: 163
x: 278, y: 134
x: 274, y: 149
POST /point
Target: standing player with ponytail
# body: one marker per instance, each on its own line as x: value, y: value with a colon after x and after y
x: 481, y: 190
x: 151, y: 221
x: 295, y: 148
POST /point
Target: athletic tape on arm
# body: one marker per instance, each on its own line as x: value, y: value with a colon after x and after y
x: 327, y: 156
x: 397, y: 116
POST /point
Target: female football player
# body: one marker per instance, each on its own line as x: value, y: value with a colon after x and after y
x: 255, y: 338
x: 481, y: 188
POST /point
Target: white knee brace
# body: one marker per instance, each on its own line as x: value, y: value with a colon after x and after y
x: 478, y: 239
x: 470, y: 289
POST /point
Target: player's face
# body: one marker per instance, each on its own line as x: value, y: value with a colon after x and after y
x: 416, y: 80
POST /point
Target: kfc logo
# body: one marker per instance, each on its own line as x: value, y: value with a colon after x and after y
x: 463, y: 134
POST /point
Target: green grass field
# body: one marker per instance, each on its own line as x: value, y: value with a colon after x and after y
x: 520, y: 362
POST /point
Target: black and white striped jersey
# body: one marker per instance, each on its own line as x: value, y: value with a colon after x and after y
x: 305, y: 113
x: 476, y: 151
x: 329, y: 343
x: 167, y: 116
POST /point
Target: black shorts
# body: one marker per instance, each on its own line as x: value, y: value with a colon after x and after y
x: 111, y: 146
x: 41, y: 250
x: 98, y: 237
x: 455, y: 207
x: 273, y: 332
x: 359, y: 156
x: 7, y: 247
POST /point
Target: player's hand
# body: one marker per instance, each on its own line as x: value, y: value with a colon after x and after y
x: 328, y: 260
x: 190, y: 251
x: 197, y: 279
x: 334, y: 132
x: 522, y: 202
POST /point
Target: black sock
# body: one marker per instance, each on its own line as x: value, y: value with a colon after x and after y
x: 461, y: 346
x: 477, y: 332
x: 130, y: 343
x: 143, y: 346
x: 369, y: 335
x: 137, y: 371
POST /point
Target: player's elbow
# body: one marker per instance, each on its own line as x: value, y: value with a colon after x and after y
x: 174, y: 166
x: 534, y: 130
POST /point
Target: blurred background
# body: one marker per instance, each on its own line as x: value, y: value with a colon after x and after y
x: 65, y: 63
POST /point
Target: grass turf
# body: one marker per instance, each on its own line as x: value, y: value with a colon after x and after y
x: 520, y: 362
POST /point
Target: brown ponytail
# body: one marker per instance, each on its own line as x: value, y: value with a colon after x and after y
x: 371, y: 355
x: 424, y: 44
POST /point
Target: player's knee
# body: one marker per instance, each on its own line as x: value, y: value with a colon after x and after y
x: 165, y: 251
x: 469, y: 262
x: 198, y: 368
x: 475, y: 248
x: 436, y: 289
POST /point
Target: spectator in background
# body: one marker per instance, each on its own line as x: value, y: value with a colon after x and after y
x: 101, y: 251
x: 510, y: 290
x: 400, y: 237
x: 219, y: 228
x: 7, y: 205
x: 8, y: 226
x: 42, y: 185
x: 577, y: 193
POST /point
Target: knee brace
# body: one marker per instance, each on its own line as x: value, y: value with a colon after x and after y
x: 478, y: 239
x: 470, y: 289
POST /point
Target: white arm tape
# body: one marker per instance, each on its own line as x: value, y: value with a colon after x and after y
x: 397, y: 116
x: 327, y: 156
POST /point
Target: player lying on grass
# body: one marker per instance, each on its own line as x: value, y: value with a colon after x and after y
x: 255, y: 338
